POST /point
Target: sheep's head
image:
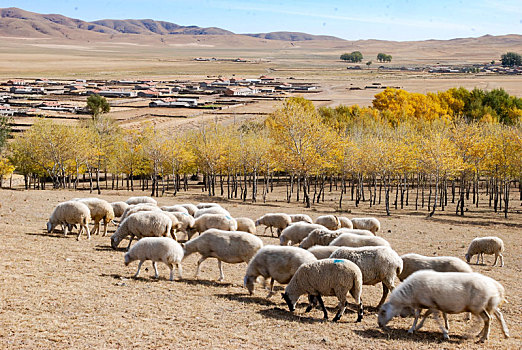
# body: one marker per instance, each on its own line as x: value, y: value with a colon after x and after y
x: 114, y: 241
x: 127, y: 259
x: 386, y: 313
x: 248, y: 283
x: 468, y: 257
x: 49, y: 227
x: 291, y: 305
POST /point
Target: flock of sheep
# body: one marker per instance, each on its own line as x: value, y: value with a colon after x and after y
x: 335, y: 256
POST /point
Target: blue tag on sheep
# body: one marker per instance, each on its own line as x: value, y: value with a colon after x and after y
x: 338, y: 261
x: 228, y: 217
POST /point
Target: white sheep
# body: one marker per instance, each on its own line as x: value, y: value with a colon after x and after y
x: 141, y: 200
x: 377, y: 264
x: 142, y: 224
x: 354, y: 240
x: 246, y: 225
x: 449, y: 292
x: 212, y: 210
x: 327, y: 277
x: 70, y: 213
x: 322, y: 252
x: 176, y: 224
x: 101, y: 210
x: 486, y: 245
x: 345, y: 222
x: 415, y: 262
x: 370, y: 224
x: 191, y: 208
x: 232, y: 247
x: 175, y: 208
x: 295, y: 233
x: 325, y: 236
x: 119, y: 208
x: 301, y: 217
x: 331, y: 222
x: 208, y: 221
x: 278, y: 220
x: 186, y: 221
x: 277, y: 262
x: 135, y: 208
x: 207, y: 205
x: 163, y: 249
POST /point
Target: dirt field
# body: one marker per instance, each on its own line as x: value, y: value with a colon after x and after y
x: 56, y: 292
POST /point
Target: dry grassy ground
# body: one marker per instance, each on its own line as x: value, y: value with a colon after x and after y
x: 56, y: 292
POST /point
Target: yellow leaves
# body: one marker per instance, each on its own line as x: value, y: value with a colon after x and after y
x: 6, y: 168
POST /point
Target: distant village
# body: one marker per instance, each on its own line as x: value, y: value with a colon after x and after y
x: 67, y: 98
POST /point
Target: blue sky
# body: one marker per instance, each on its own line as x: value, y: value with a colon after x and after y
x: 388, y: 20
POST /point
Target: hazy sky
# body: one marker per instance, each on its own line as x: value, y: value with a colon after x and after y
x: 349, y: 19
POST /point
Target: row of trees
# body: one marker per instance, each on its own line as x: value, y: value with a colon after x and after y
x: 356, y: 56
x: 406, y: 144
x: 511, y: 59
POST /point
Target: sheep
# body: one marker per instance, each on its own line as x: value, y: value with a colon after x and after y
x: 100, y: 210
x: 246, y: 225
x: 277, y: 262
x: 370, y: 224
x: 486, y: 245
x: 142, y: 224
x: 377, y: 264
x: 141, y: 200
x: 322, y: 252
x: 119, y: 208
x: 301, y: 217
x: 232, y: 247
x: 295, y: 233
x: 278, y: 220
x: 331, y: 222
x: 156, y: 249
x: 449, y: 292
x: 176, y: 224
x: 186, y: 221
x: 70, y: 213
x: 208, y: 221
x: 354, y: 240
x: 135, y: 208
x: 325, y: 236
x: 175, y: 208
x: 415, y: 262
x: 345, y: 222
x: 207, y: 205
x: 213, y: 210
x: 191, y: 208
x: 327, y: 277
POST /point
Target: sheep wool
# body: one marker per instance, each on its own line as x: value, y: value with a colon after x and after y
x: 486, y: 245
x: 142, y: 224
x: 101, y: 210
x: 246, y: 225
x: 70, y: 213
x: 278, y: 220
x: 119, y: 208
x: 370, y: 224
x: 301, y: 217
x: 141, y: 200
x: 295, y: 233
x: 331, y: 222
x: 209, y: 221
x: 415, y: 262
x: 322, y: 252
x: 354, y: 240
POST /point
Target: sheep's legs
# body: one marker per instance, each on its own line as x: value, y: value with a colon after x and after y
x: 500, y: 318
x: 271, y: 291
x: 320, y: 300
x: 105, y: 223
x: 200, y: 261
x: 442, y: 328
x: 484, y: 333
x: 312, y: 301
x: 130, y: 241
x: 360, y: 312
x: 221, y: 274
x: 96, y: 228
x: 180, y: 270
x: 497, y: 255
x: 385, y: 290
x: 139, y: 268
x: 155, y: 266
x: 414, y: 327
x: 342, y: 308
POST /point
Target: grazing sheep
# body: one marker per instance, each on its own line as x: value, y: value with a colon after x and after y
x: 207, y: 205
x: 277, y: 262
x: 354, y: 240
x: 327, y: 277
x: 278, y: 220
x: 232, y: 247
x: 70, y: 213
x: 370, y: 224
x: 331, y: 222
x: 101, y: 210
x: 449, y: 292
x: 208, y: 221
x: 141, y: 200
x: 301, y: 217
x: 191, y: 208
x: 176, y: 224
x: 135, y: 208
x: 119, y: 208
x: 322, y: 252
x: 415, y: 262
x: 295, y: 233
x: 156, y: 249
x: 186, y: 221
x: 486, y: 245
x: 246, y: 225
x: 212, y: 210
x: 142, y: 224
x: 377, y: 264
x: 325, y: 236
x: 175, y: 208
x: 345, y: 222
